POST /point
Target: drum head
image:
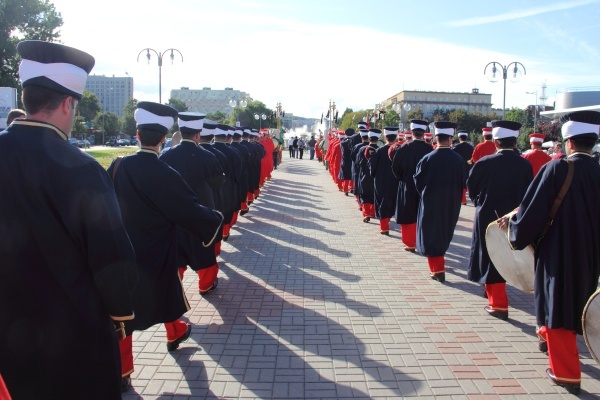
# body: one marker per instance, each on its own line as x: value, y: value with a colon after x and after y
x: 515, y: 266
x: 591, y: 325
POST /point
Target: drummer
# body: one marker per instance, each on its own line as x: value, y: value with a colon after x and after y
x: 496, y: 185
x: 568, y: 256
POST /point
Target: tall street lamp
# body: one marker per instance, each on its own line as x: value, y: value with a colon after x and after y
x: 403, y: 108
x: 535, y: 111
x: 233, y: 103
x: 260, y: 118
x: 279, y: 113
x: 494, y: 75
x: 160, y: 60
x: 331, y: 116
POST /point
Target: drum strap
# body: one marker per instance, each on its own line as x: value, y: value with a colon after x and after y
x: 115, y: 167
x: 559, y: 199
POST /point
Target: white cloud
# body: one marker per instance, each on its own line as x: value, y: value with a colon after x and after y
x: 518, y: 14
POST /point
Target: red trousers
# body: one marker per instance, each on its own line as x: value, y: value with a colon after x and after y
x: 175, y: 330
x: 436, y: 264
x: 347, y: 185
x: 256, y: 193
x: 226, y: 229
x: 250, y: 197
x: 4, y: 395
x: 384, y: 224
x: 368, y: 210
x: 562, y: 353
x: 464, y: 196
x: 409, y: 235
x: 234, y: 218
x: 497, y: 297
x: 206, y: 277
x: 244, y: 206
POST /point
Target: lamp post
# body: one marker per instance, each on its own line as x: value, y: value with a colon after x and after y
x: 260, y: 118
x: 534, y: 111
x: 402, y: 106
x: 494, y: 75
x: 331, y: 115
x: 233, y: 103
x: 279, y: 113
x: 160, y: 60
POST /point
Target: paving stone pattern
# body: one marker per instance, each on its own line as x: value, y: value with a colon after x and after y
x: 313, y: 303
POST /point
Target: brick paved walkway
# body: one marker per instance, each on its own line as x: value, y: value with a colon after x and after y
x: 313, y: 303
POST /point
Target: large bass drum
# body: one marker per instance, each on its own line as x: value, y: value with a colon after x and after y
x: 515, y: 266
x: 591, y: 325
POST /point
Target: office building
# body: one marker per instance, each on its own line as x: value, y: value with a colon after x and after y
x: 429, y: 101
x: 207, y: 100
x: 113, y: 92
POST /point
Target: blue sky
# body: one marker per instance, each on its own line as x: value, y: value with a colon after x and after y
x: 358, y: 53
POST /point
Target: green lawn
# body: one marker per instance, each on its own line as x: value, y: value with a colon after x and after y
x: 105, y: 155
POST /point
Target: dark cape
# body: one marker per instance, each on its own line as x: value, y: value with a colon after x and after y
x: 404, y: 166
x: 465, y: 150
x: 386, y: 184
x: 67, y: 266
x: 367, y: 183
x: 235, y: 164
x: 346, y: 164
x: 203, y: 174
x: 227, y: 196
x: 257, y: 152
x: 154, y: 199
x: 496, y: 184
x: 355, y: 165
x: 567, y: 260
x: 244, y: 177
x: 439, y: 180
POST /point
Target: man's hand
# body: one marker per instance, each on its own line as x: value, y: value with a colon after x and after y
x: 502, y: 223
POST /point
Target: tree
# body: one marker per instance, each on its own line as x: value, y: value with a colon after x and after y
x: 516, y: 115
x: 127, y: 121
x: 246, y: 116
x: 177, y: 104
x: 110, y: 122
x: 23, y: 19
x: 79, y: 127
x: 88, y: 106
x: 392, y: 118
x: 417, y: 113
x: 217, y: 116
x: 351, y: 120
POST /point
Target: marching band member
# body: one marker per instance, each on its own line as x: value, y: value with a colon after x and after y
x: 386, y: 184
x: 537, y: 157
x: 345, y: 174
x: 202, y: 172
x: 439, y: 180
x: 496, y: 184
x: 367, y: 184
x: 404, y: 166
x: 465, y: 150
x: 484, y: 148
x: 567, y: 258
x: 153, y: 195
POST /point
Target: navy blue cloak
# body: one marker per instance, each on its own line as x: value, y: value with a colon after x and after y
x: 567, y: 259
x: 404, y: 166
x: 496, y: 184
x: 439, y: 180
x: 154, y: 199
x: 67, y: 267
x: 202, y: 172
x: 386, y: 184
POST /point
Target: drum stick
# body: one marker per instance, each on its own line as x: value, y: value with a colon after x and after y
x: 497, y: 214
